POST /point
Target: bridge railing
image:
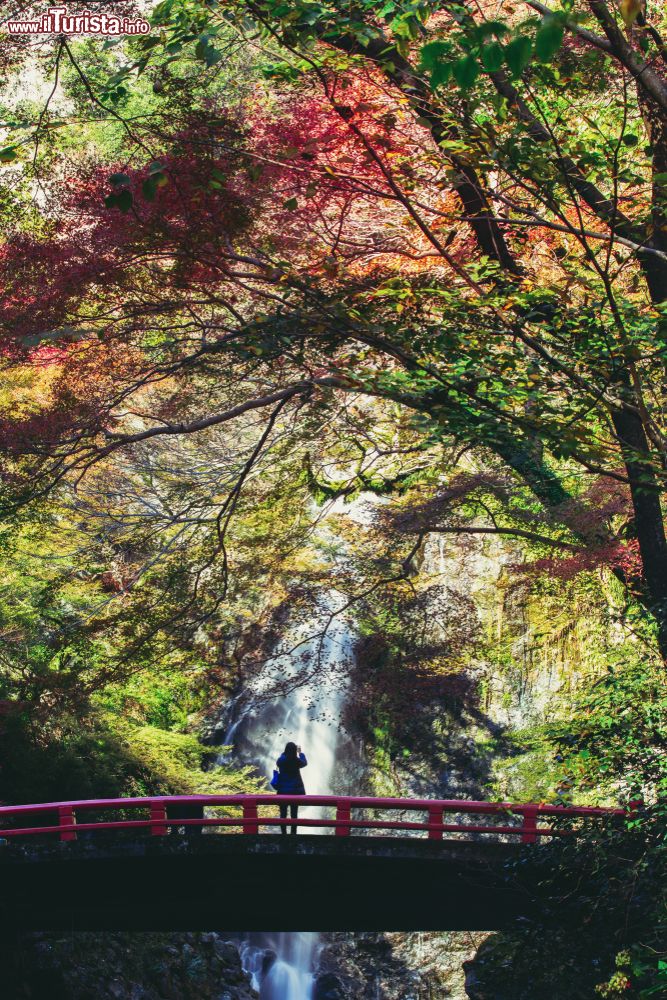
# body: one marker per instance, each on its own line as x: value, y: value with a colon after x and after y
x: 162, y: 814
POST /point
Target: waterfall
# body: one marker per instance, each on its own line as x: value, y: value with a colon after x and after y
x: 281, y: 965
x: 299, y: 696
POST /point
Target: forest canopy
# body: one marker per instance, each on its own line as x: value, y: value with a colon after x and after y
x: 289, y: 216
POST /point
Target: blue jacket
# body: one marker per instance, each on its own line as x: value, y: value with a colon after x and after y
x: 290, y: 781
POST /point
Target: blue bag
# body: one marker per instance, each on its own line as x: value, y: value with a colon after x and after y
x: 274, y: 779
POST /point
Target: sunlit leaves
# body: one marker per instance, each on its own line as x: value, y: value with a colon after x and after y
x: 485, y: 47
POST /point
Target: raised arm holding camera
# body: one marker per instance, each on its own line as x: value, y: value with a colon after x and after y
x: 289, y: 780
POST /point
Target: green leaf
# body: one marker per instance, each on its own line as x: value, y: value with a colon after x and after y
x: 124, y: 200
x: 149, y: 42
x: 149, y: 189
x: 630, y: 139
x: 8, y: 154
x: 433, y: 53
x: 291, y: 204
x: 206, y: 52
x: 517, y: 54
x: 254, y: 171
x: 441, y: 73
x: 213, y: 56
x: 492, y: 57
x: 549, y: 38
x: 119, y: 179
x: 488, y: 28
x: 466, y: 71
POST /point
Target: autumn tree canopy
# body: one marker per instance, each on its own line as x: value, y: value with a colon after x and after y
x: 429, y: 216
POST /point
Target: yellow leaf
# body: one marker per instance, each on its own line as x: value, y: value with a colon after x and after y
x: 630, y: 11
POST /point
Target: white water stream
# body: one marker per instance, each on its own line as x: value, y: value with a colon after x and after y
x: 311, y: 680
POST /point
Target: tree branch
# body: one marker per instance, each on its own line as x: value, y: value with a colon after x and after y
x: 298, y: 389
x: 532, y: 536
x: 597, y: 40
x: 643, y: 73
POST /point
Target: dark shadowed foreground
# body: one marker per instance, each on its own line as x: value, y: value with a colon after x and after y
x: 222, y: 883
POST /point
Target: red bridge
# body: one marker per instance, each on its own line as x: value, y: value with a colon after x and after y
x: 142, y: 864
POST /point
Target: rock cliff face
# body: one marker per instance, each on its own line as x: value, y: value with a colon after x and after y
x: 129, y: 967
x: 541, y: 643
x: 538, y: 645
x: 420, y: 966
x: 536, y: 653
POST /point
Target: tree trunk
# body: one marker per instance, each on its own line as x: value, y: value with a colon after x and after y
x: 649, y: 523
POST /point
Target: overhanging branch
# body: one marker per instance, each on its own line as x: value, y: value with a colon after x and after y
x: 533, y: 536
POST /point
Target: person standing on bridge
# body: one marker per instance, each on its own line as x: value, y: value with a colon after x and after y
x: 290, y: 782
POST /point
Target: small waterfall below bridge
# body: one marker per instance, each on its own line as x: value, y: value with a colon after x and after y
x: 298, y: 695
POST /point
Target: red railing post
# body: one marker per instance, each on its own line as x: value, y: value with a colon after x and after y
x: 158, y: 819
x: 250, y: 824
x: 343, y: 812
x: 66, y: 817
x: 434, y: 819
x: 529, y: 825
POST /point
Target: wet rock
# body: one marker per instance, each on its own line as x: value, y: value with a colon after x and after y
x: 225, y: 951
x: 395, y: 966
x: 196, y: 968
x: 83, y: 966
x: 268, y: 960
x: 328, y: 987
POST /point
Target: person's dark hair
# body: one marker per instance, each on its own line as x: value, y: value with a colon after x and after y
x: 290, y: 750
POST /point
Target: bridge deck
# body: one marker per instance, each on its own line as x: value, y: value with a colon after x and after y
x: 258, y: 882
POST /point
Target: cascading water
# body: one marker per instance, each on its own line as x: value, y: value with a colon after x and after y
x: 290, y: 974
x: 298, y: 696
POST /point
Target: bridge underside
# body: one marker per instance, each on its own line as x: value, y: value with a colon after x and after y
x: 264, y: 882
